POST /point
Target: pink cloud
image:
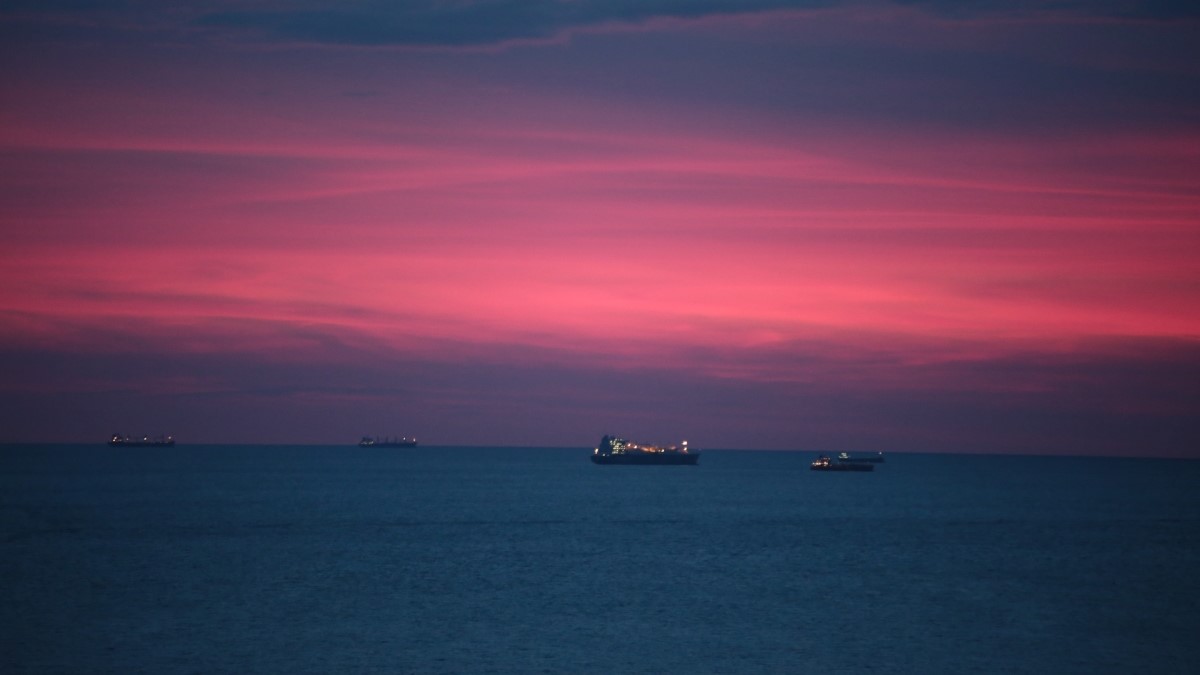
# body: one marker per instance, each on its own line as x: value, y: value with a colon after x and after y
x: 634, y: 234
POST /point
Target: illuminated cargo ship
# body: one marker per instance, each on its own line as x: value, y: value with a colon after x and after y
x: 613, y: 450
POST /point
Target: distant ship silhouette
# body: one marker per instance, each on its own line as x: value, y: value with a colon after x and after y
x: 373, y: 442
x: 120, y: 440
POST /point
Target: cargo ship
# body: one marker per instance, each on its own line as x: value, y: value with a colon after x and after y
x: 120, y: 440
x: 613, y: 450
x: 823, y: 463
x: 373, y: 442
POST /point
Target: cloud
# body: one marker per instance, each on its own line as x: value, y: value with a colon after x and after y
x: 474, y: 23
x: 1116, y: 9
x: 430, y: 23
x: 796, y: 228
x: 489, y: 22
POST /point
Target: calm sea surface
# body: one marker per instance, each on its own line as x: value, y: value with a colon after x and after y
x: 278, y: 559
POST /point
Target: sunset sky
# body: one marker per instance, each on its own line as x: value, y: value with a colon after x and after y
x: 769, y: 224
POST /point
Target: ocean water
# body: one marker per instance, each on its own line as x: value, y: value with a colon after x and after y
x: 215, y: 559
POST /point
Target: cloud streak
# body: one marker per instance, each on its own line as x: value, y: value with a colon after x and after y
x: 473, y: 23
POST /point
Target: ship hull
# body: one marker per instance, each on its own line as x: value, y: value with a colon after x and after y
x: 649, y: 458
x: 844, y: 466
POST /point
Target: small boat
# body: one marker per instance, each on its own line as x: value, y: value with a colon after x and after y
x: 823, y: 463
x: 120, y: 440
x: 373, y: 442
x: 613, y: 450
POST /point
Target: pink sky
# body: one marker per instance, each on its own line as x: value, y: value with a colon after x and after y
x: 809, y: 233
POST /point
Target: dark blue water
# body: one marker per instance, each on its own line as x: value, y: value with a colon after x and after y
x: 451, y: 560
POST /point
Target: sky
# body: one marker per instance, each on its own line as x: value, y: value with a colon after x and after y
x: 911, y: 226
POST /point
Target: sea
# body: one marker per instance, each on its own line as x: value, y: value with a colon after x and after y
x: 322, y: 559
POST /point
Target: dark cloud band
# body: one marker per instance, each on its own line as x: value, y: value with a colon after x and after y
x: 465, y: 23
